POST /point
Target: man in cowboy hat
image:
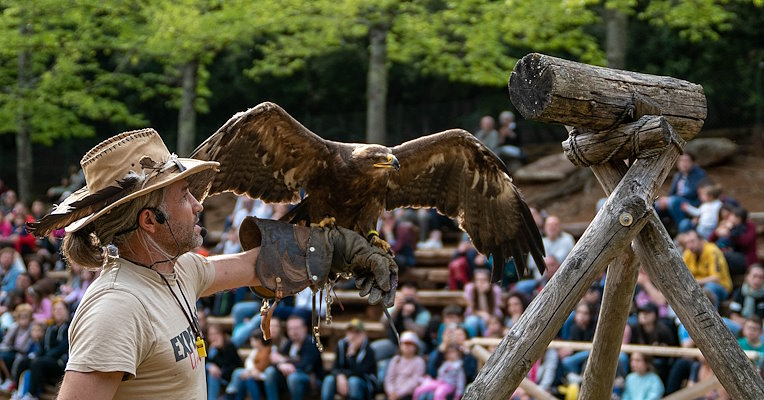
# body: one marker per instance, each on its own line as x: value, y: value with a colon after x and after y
x: 135, y: 334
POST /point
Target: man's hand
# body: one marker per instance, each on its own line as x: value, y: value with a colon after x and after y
x: 214, y: 370
x: 375, y: 271
x: 342, y: 385
x: 286, y: 369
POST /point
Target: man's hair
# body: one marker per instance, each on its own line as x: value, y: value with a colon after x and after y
x: 85, y: 247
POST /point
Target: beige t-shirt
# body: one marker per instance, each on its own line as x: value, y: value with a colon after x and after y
x: 129, y: 321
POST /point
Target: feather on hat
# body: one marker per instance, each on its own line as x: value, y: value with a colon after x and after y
x: 120, y: 169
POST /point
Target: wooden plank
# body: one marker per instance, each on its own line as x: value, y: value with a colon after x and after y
x: 426, y: 297
x: 696, y: 390
x: 655, y: 351
x: 554, y: 90
x: 631, y: 203
x: 640, y: 139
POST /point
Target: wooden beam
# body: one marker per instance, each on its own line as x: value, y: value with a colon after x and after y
x: 662, y: 261
x: 613, y: 228
x: 696, y: 390
x: 616, y: 300
x: 655, y: 351
x: 641, y: 139
x: 554, y: 90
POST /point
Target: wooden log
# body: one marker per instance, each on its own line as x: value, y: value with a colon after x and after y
x: 655, y: 351
x: 642, y: 139
x: 565, y: 92
x: 695, y: 391
x: 661, y: 260
x: 613, y: 228
x: 616, y: 300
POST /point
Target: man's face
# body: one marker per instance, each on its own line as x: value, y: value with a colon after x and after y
x: 183, y: 210
x: 296, y: 330
x: 751, y: 330
x: 755, y: 278
x: 684, y: 164
x: 6, y: 258
x: 693, y: 242
x: 552, y: 227
x: 487, y: 124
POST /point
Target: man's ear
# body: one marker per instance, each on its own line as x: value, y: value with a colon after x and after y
x: 147, y: 221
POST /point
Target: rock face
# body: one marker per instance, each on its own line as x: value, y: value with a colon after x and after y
x: 551, y: 168
x: 711, y: 151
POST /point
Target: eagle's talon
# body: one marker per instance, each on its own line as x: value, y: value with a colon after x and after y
x: 327, y: 222
x: 381, y: 243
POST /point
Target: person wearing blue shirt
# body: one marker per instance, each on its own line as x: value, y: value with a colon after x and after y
x: 642, y: 383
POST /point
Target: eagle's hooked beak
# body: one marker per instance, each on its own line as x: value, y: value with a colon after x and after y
x: 391, y: 162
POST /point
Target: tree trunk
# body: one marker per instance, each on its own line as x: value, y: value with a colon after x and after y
x: 616, y: 38
x: 376, y: 89
x: 187, y: 114
x: 24, y: 172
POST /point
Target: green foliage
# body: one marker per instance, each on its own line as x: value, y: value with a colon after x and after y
x: 70, y: 78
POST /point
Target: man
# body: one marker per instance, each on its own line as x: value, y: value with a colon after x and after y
x: 557, y: 245
x: 354, y: 374
x: 707, y: 264
x: 9, y: 270
x: 684, y: 189
x: 488, y: 134
x: 297, y: 366
x: 136, y: 334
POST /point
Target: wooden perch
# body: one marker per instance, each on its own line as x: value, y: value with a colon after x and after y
x: 565, y: 92
x: 661, y: 260
x: 642, y: 139
x: 614, y: 227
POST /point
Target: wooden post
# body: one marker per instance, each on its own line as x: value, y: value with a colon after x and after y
x: 663, y: 263
x: 642, y: 139
x: 613, y: 228
x: 616, y: 300
x: 565, y: 92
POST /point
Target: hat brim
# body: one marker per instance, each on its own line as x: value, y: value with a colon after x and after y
x: 192, y: 166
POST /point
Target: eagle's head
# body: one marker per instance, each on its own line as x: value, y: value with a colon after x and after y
x: 374, y: 159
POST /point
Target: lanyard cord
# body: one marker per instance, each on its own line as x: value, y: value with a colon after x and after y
x: 194, y: 324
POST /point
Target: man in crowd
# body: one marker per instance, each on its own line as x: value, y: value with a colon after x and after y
x: 297, y: 366
x: 707, y: 264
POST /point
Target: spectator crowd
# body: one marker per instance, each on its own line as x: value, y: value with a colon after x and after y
x: 430, y: 360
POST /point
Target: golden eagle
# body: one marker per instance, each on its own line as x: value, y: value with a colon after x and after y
x: 265, y: 153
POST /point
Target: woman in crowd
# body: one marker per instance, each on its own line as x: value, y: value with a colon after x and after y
x: 222, y: 359
x: 483, y: 300
x: 405, y: 370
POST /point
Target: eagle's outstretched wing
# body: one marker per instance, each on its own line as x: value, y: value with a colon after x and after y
x: 265, y: 153
x: 453, y: 172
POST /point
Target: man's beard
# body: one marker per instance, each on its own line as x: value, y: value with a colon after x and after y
x: 186, y: 237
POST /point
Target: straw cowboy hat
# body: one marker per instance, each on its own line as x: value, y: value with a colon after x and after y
x: 120, y: 169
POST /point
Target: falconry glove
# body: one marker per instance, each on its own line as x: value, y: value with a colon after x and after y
x: 294, y: 257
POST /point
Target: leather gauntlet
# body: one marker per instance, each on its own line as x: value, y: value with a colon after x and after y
x: 295, y: 257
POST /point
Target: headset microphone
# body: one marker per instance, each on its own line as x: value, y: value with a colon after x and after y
x: 203, y: 232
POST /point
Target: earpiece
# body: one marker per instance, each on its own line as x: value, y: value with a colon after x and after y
x: 158, y: 215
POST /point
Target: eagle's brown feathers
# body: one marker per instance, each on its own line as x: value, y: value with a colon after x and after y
x: 265, y: 153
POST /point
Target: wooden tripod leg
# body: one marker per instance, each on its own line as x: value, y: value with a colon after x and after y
x: 611, y: 231
x: 661, y: 260
x: 616, y: 301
